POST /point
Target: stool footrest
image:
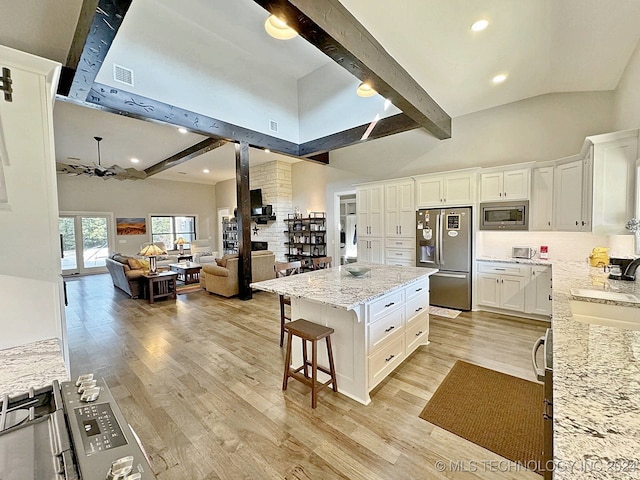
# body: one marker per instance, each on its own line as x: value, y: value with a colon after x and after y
x: 309, y: 381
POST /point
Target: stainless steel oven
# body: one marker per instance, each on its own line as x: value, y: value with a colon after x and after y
x: 545, y: 374
x: 504, y: 215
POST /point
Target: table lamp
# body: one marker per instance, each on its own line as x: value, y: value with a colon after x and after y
x: 180, y: 242
x: 151, y: 251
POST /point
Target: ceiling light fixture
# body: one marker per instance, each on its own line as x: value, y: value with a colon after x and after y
x: 499, y: 78
x: 182, y: 130
x: 480, y: 25
x: 365, y: 90
x: 279, y: 29
x: 135, y: 160
x: 206, y: 170
x: 266, y: 150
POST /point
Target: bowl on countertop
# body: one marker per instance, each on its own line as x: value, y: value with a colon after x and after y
x: 357, y: 271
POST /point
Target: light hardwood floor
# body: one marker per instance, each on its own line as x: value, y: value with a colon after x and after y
x: 199, y: 379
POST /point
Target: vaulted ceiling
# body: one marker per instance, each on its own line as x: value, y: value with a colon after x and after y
x: 543, y: 45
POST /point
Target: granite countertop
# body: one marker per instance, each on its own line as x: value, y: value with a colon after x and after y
x: 35, y: 365
x: 596, y: 380
x: 524, y: 261
x: 338, y: 288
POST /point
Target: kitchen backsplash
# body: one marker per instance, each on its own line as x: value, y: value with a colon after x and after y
x: 574, y: 246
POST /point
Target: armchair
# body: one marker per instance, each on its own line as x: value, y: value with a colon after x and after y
x: 202, y: 252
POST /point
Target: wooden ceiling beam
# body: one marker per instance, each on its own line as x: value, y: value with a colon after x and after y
x: 96, y: 29
x: 331, y: 28
x: 185, y: 155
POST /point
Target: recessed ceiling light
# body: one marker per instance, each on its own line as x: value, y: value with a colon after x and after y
x: 365, y: 90
x: 135, y: 160
x: 499, y: 78
x: 182, y: 130
x: 206, y: 170
x: 480, y: 25
x: 279, y: 29
x: 266, y: 150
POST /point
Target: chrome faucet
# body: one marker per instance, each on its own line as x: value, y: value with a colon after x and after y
x: 629, y: 272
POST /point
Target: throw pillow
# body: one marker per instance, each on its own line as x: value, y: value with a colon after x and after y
x: 135, y: 264
x: 145, y: 264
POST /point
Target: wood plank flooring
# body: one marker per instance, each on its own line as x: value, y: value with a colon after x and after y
x: 199, y: 379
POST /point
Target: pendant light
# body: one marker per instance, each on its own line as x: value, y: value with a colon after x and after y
x: 279, y: 29
x: 365, y: 90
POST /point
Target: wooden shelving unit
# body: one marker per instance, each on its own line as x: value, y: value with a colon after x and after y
x: 306, y: 237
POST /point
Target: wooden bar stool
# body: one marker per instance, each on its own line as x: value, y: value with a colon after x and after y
x: 285, y: 269
x: 312, y: 332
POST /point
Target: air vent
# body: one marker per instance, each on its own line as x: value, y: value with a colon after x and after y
x: 273, y: 126
x: 123, y: 75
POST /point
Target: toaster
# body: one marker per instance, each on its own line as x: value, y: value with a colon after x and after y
x: 523, y: 252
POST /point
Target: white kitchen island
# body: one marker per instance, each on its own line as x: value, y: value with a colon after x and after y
x: 379, y: 319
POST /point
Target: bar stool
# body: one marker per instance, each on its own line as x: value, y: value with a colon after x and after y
x: 285, y: 269
x: 312, y: 332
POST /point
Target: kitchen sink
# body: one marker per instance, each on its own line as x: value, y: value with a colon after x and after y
x: 607, y: 315
x: 605, y: 295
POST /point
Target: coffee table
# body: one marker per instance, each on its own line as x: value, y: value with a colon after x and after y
x: 188, y: 272
x: 160, y: 285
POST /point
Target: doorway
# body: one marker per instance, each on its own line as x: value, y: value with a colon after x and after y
x: 85, y: 242
x: 346, y: 244
x: 222, y: 214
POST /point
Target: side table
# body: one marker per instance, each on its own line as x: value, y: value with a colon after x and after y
x: 160, y: 285
x: 185, y: 257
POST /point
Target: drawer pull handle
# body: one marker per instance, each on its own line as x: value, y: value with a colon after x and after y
x: 398, y: 243
x: 418, y: 309
x: 390, y: 328
x: 418, y: 289
x: 501, y: 269
x: 389, y: 304
x: 389, y: 359
x: 419, y: 333
x: 398, y: 254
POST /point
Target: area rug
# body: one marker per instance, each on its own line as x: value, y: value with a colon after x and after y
x: 443, y: 312
x: 496, y: 411
x: 194, y: 287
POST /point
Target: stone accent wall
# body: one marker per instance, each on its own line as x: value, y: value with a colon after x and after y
x: 275, y: 181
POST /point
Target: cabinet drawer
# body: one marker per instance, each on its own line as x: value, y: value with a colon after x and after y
x: 418, y: 288
x: 400, y: 262
x: 416, y: 306
x: 503, y: 269
x: 416, y: 334
x: 400, y: 243
x: 384, y: 361
x: 393, y: 254
x: 385, y: 327
x: 382, y: 306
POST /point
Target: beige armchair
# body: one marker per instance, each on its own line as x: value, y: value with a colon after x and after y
x: 221, y: 277
x: 202, y: 252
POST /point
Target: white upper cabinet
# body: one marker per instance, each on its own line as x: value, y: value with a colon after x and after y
x: 568, y: 191
x: 370, y: 209
x: 448, y: 189
x: 541, y: 198
x: 504, y: 185
x: 399, y: 211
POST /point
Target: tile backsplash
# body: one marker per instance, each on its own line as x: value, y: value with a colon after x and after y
x: 573, y: 246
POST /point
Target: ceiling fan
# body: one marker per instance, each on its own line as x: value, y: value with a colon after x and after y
x: 114, y: 171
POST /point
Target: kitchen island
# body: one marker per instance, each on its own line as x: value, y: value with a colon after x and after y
x: 379, y: 319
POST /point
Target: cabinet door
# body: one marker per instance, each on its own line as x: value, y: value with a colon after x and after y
x: 542, y: 199
x: 376, y: 250
x: 512, y: 292
x: 568, y: 196
x: 364, y: 254
x: 459, y: 189
x: 489, y: 289
x: 491, y: 186
x: 538, y: 292
x: 516, y: 184
x: 614, y: 185
x: 391, y: 210
x: 430, y: 191
x: 376, y: 210
x: 406, y: 210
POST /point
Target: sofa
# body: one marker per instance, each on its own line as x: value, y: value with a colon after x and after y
x: 202, y: 252
x: 221, y: 277
x: 126, y: 272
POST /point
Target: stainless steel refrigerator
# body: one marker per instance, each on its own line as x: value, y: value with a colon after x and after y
x: 443, y: 241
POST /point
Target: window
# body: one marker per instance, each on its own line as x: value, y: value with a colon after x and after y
x: 167, y: 228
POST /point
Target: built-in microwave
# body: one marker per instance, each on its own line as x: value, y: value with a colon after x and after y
x: 504, y: 215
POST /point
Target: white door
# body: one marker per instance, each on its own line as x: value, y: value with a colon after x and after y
x: 489, y: 289
x: 391, y: 210
x: 376, y: 210
x: 538, y: 293
x: 512, y: 292
x: 406, y: 210
x: 86, y: 241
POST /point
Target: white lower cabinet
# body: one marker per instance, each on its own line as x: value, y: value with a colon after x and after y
x: 515, y: 287
x: 370, y: 250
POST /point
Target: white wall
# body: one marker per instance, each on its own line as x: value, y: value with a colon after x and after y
x: 537, y: 129
x: 308, y: 182
x: 627, y: 95
x: 131, y: 198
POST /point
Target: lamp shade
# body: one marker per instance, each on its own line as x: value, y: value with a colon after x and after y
x: 151, y: 250
x: 180, y: 241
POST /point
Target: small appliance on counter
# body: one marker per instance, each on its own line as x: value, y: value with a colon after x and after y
x: 523, y: 252
x: 599, y: 257
x: 623, y: 268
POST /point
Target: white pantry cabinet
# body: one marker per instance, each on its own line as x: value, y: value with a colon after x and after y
x: 569, y: 196
x: 504, y: 185
x: 399, y: 209
x: 370, y: 250
x: 448, y: 189
x: 370, y: 210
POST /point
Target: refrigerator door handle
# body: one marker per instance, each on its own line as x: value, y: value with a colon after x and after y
x: 440, y: 238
